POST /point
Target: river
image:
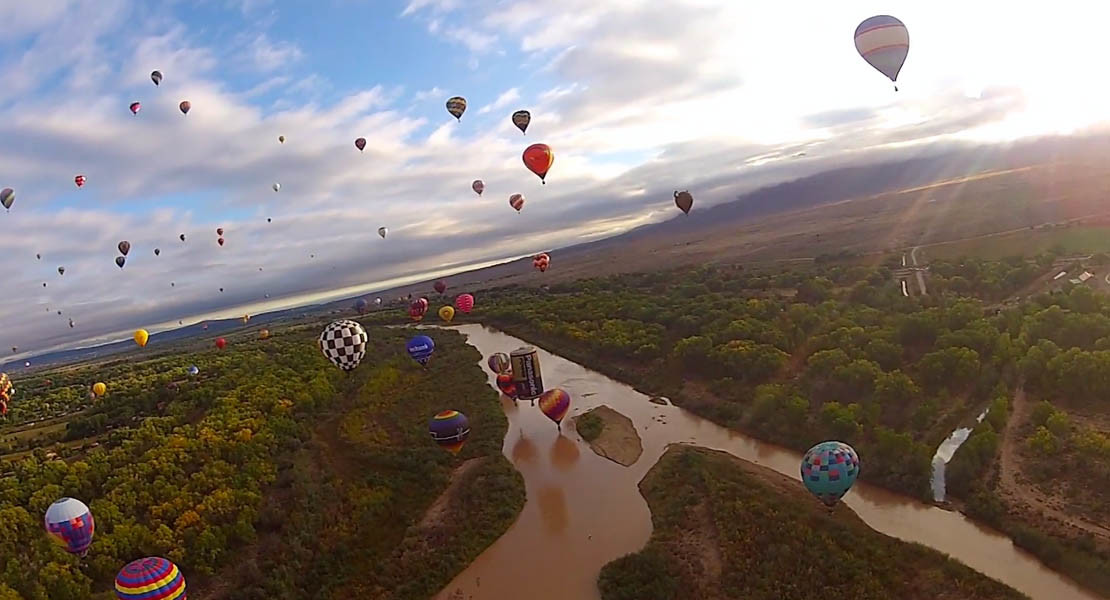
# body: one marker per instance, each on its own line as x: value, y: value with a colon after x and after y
x: 584, y: 511
x: 944, y: 454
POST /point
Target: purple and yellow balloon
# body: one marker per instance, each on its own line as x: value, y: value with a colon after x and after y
x: 450, y: 429
x: 555, y: 403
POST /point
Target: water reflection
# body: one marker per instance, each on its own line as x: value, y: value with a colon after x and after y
x: 564, y: 453
x: 524, y: 451
x: 553, y: 509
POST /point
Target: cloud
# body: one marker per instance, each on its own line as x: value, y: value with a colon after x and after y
x: 266, y: 55
x: 506, y: 98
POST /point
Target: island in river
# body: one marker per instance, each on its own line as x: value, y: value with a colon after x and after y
x: 727, y: 528
x: 610, y: 435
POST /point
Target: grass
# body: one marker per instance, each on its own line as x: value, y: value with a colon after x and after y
x: 1073, y: 240
x: 589, y: 426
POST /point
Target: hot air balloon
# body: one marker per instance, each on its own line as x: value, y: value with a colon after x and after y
x: 135, y: 106
x: 69, y: 522
x: 221, y: 343
x: 246, y: 318
x: 150, y: 578
x: 156, y: 77
x: 99, y: 388
x: 440, y: 286
x: 450, y: 429
x: 447, y: 313
x: 182, y: 236
x: 120, y: 261
x: 538, y: 158
x: 193, y: 370
x: 516, y: 201
x: 521, y: 119
x: 276, y: 186
x: 541, y: 261
x: 417, y: 308
x: 506, y: 384
x: 79, y: 180
x: 185, y: 106
x: 420, y: 348
x: 883, y: 42
x: 141, y: 336
x: 361, y: 305
x: 264, y: 334
x: 555, y: 403
x: 684, y: 201
x: 343, y: 342
x: 221, y: 290
x: 157, y: 252
x: 499, y: 362
x: 378, y: 301
x: 219, y: 231
x: 44, y: 284
x: 269, y: 220
x: 61, y: 270
x: 456, y: 105
x: 220, y: 241
x: 281, y: 138
x: 71, y: 324
x: 7, y: 197
x: 124, y: 247
x: 360, y: 143
x: 382, y: 231
x: 465, y: 302
x: 828, y: 471
x: 478, y: 186
x: 38, y: 256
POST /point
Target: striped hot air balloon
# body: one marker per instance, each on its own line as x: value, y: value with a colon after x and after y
x: 69, y: 522
x: 149, y: 579
x: 516, y: 201
x: 883, y: 42
x: 450, y: 429
x: 456, y: 105
x: 555, y: 403
x: 465, y: 302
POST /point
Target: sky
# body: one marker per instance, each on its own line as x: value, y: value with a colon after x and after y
x: 637, y: 98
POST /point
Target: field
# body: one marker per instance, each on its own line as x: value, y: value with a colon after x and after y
x: 1085, y: 238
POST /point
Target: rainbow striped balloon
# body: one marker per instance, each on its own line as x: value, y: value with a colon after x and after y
x: 450, y: 429
x: 150, y: 578
x: 883, y: 42
x: 555, y: 403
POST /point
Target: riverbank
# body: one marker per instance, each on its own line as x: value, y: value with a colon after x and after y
x: 724, y: 527
x: 610, y: 435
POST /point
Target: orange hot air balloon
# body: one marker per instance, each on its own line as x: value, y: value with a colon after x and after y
x: 538, y: 158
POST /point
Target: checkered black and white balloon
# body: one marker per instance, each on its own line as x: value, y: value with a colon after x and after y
x: 344, y: 343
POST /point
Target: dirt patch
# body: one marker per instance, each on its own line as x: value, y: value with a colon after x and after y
x: 442, y: 505
x: 618, y: 441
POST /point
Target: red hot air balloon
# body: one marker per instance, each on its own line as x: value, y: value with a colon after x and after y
x: 417, y: 309
x: 440, y: 286
x: 135, y: 106
x: 541, y: 261
x: 516, y: 201
x: 185, y: 106
x: 506, y: 385
x: 221, y: 343
x: 465, y: 302
x: 220, y: 241
x: 79, y: 180
x: 360, y: 143
x: 538, y: 158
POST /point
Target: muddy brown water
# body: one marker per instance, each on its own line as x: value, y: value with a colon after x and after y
x: 584, y: 511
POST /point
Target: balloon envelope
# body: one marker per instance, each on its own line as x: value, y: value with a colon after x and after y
x: 456, y: 105
x: 141, y: 336
x: 440, y: 286
x: 120, y: 261
x: 506, y: 385
x: 221, y: 343
x: 539, y: 158
x: 156, y: 77
x: 69, y: 522
x: 124, y: 247
x: 450, y: 429
x: 447, y: 313
x: 465, y: 302
x: 7, y: 197
x: 499, y: 362
x: 829, y: 469
x: 135, y: 106
x: 420, y: 348
x: 185, y: 106
x: 516, y: 201
x: 360, y: 143
x: 478, y: 186
x: 382, y: 231
x: 99, y: 388
x: 149, y: 578
x: 521, y: 119
x: 684, y: 201
x: 193, y: 370
x: 883, y: 41
x: 555, y: 403
x: 343, y: 342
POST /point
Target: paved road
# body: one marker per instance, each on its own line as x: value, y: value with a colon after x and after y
x: 920, y: 277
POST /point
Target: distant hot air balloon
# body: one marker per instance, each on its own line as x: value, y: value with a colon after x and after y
x: 69, y: 522
x: 220, y: 241
x: 360, y: 143
x: 378, y: 301
x: 221, y: 343
x: 193, y: 370
x: 99, y: 388
x: 499, y: 362
x: 684, y: 201
x: 420, y: 348
x: 541, y: 261
x: 361, y: 305
x: 521, y: 119
x: 185, y: 106
x: 44, y: 284
x: 440, y: 286
x: 828, y: 471
x: 478, y: 186
x: 219, y: 231
x: 124, y: 247
x: 38, y: 256
x: 141, y: 336
x: 456, y: 105
x: 506, y: 384
x: 382, y: 231
x: 343, y: 342
x: 276, y: 186
x: 135, y: 107
x: 246, y: 318
x: 264, y: 334
x: 7, y: 197
x: 555, y: 403
x: 157, y: 252
x: 120, y: 261
x: 516, y: 201
x: 883, y: 42
x: 182, y: 237
x: 450, y: 429
x: 221, y: 290
x: 269, y: 220
x: 417, y: 308
x: 156, y: 77
x: 281, y: 138
x: 447, y: 313
x: 150, y: 578
x: 465, y: 302
x: 71, y: 324
x: 79, y: 180
x: 61, y: 270
x: 539, y: 158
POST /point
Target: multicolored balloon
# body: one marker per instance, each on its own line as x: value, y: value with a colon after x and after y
x: 883, y: 41
x: 541, y: 261
x: 417, y: 308
x: 264, y: 334
x: 135, y: 107
x: 193, y: 370
x: 506, y: 384
x: 360, y: 143
x: 521, y: 119
x: 555, y: 403
x: 478, y: 186
x: 829, y: 469
x: 420, y: 348
x: 69, y: 522
x: 539, y: 158
x: 456, y: 105
x: 683, y: 200
x: 465, y: 302
x: 61, y: 270
x: 124, y: 247
x: 450, y: 429
x: 447, y: 313
x: 499, y: 362
x: 185, y: 106
x: 151, y: 578
x: 516, y: 201
x: 7, y: 197
x: 79, y: 180
x: 156, y: 77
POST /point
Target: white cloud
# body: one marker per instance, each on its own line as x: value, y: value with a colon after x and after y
x: 506, y: 98
x: 266, y: 55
